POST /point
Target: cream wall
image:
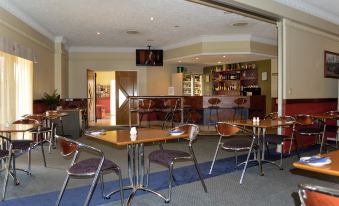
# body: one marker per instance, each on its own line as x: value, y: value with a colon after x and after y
x: 151, y: 80
x: 104, y: 78
x: 43, y: 75
x: 304, y: 73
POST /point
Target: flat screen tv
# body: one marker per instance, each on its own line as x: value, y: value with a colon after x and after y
x: 149, y: 57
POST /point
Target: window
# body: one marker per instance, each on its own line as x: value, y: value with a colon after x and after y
x: 16, y: 92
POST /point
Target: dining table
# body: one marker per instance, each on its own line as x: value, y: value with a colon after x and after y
x: 135, y: 153
x: 259, y: 129
x: 328, y: 169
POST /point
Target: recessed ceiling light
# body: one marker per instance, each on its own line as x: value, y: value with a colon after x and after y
x: 152, y: 18
x: 132, y: 32
x: 179, y: 61
x: 223, y: 56
x: 240, y: 24
x: 98, y: 33
x: 176, y: 26
x: 196, y: 58
x: 219, y: 62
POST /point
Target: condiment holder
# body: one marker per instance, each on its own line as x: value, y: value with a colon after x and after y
x: 256, y: 120
x: 133, y: 133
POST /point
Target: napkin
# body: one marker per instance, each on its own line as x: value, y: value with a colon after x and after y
x: 176, y: 132
x: 315, y: 159
x: 95, y: 132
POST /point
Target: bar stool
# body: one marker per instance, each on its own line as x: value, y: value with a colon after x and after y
x: 214, y: 105
x: 239, y: 107
x: 171, y: 107
x: 145, y: 107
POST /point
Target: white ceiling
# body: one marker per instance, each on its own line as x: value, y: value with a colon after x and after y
x: 176, y: 22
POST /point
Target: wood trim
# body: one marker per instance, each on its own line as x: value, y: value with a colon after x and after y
x: 297, y: 101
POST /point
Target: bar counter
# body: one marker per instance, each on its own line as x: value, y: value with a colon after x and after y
x: 198, y: 108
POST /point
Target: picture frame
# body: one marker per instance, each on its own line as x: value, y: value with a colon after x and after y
x: 331, y: 65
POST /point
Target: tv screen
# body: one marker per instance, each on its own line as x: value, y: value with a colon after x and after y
x: 146, y: 57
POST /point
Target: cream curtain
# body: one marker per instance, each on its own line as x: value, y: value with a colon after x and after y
x: 16, y: 93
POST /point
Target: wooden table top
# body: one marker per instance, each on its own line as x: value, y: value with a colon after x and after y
x: 330, y: 169
x: 17, y: 127
x: 326, y: 116
x: 122, y: 137
x: 267, y: 123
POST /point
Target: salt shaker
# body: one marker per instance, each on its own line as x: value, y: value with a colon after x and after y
x: 258, y: 120
x: 254, y: 119
x: 133, y: 133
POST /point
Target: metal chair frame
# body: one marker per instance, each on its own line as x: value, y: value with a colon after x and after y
x: 305, y: 120
x: 145, y: 107
x: 173, y: 106
x: 334, y: 112
x: 193, y: 131
x: 305, y: 189
x: 6, y: 146
x: 69, y: 147
x: 275, y: 116
x: 234, y: 129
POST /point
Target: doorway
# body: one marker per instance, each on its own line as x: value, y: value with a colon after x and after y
x: 108, y: 104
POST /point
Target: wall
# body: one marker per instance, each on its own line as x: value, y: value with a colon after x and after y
x: 151, y: 80
x: 104, y: 78
x: 43, y: 71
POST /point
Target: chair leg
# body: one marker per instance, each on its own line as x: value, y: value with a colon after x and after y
x: 29, y: 159
x: 4, y: 189
x: 198, y: 169
x: 16, y: 182
x: 92, y: 188
x: 170, y: 182
x: 43, y: 152
x: 215, y: 155
x: 102, y: 185
x: 245, y: 167
x: 121, y: 188
x: 148, y: 170
x: 62, y: 190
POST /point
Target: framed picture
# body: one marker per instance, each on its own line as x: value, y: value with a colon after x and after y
x: 331, y: 64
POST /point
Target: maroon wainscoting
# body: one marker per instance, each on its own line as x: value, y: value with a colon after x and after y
x: 105, y: 103
x: 308, y: 106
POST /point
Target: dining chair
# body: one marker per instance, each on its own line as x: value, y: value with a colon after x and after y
x: 306, y: 125
x: 57, y: 122
x: 94, y: 166
x: 167, y: 158
x: 39, y: 136
x: 333, y: 128
x: 235, y: 142
x: 6, y: 154
x: 279, y: 139
x: 312, y: 195
x: 146, y: 107
x: 171, y: 108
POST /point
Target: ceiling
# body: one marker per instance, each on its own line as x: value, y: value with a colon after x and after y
x: 175, y: 22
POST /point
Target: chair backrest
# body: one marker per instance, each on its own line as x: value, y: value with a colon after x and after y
x: 6, y: 147
x: 67, y: 146
x: 37, y: 117
x: 311, y: 195
x: 275, y: 116
x: 334, y: 112
x: 146, y: 104
x: 227, y: 129
x: 26, y: 121
x: 214, y: 101
x: 304, y: 119
x: 191, y: 129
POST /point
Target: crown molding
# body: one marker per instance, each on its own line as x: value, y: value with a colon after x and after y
x: 5, y: 4
x: 302, y: 5
x: 89, y: 49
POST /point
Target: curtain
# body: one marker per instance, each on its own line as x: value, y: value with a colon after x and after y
x: 16, y: 82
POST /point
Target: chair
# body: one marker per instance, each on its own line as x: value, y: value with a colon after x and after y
x: 214, y: 105
x: 6, y: 154
x: 306, y: 125
x: 39, y: 137
x: 311, y: 195
x: 234, y: 143
x: 333, y: 128
x: 145, y: 107
x: 239, y: 107
x: 279, y: 139
x: 171, y: 107
x: 58, y: 122
x: 91, y: 167
x: 167, y: 158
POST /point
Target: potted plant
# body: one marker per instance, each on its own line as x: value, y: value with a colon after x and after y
x: 52, y: 100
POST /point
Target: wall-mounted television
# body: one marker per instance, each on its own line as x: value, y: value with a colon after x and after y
x: 149, y: 57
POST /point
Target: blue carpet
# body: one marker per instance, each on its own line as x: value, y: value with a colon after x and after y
x: 183, y: 175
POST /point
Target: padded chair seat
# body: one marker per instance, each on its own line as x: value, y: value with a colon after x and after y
x: 89, y: 166
x: 3, y: 153
x: 310, y: 130
x: 275, y: 138
x: 165, y: 157
x: 44, y: 129
x: 21, y: 144
x: 237, y: 143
